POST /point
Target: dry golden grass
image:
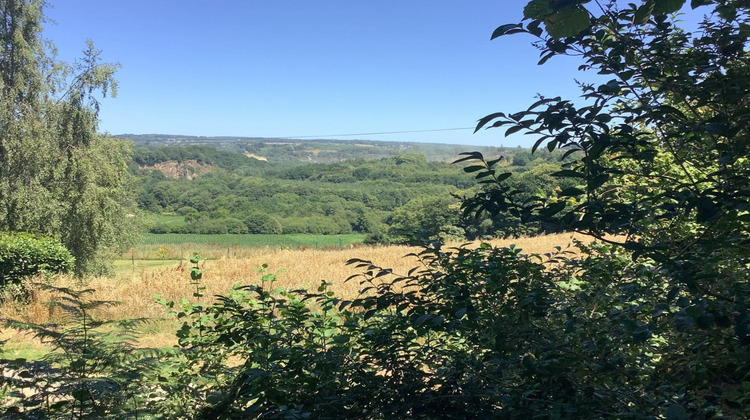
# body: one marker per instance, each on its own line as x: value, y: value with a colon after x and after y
x: 293, y: 269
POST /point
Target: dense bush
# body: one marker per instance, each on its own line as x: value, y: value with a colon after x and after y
x: 23, y: 255
x: 263, y: 223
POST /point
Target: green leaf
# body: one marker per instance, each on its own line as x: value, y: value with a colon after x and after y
x: 571, y: 192
x: 676, y: 412
x: 727, y: 12
x: 537, y: 9
x: 421, y: 320
x: 493, y: 162
x: 698, y: 3
x: 644, y: 13
x: 667, y: 6
x: 568, y: 22
x: 707, y: 210
x: 474, y: 168
x: 508, y: 29
x: 598, y: 181
x: 483, y: 121
x: 533, y: 28
x: 81, y: 394
x: 511, y: 130
x: 553, y: 209
x: 567, y: 173
x: 545, y: 58
x: 503, y: 176
x: 467, y: 156
x: 536, y: 145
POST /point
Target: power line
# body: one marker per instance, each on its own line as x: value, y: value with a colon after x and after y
x: 322, y: 136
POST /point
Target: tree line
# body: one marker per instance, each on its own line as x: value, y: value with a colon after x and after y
x: 384, y: 197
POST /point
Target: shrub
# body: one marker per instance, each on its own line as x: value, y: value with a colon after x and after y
x: 263, y: 223
x: 23, y: 255
x: 234, y: 226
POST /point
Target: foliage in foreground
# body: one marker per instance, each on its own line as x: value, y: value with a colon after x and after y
x: 93, y: 369
x: 473, y: 333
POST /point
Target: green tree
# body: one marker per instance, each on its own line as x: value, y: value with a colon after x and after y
x: 660, y: 172
x: 435, y: 218
x: 58, y: 176
x: 263, y: 223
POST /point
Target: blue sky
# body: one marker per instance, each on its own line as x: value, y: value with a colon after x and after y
x: 311, y: 68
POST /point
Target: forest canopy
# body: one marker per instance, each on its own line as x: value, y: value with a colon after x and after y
x: 352, y: 195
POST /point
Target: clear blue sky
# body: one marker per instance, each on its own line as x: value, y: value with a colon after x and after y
x: 311, y: 68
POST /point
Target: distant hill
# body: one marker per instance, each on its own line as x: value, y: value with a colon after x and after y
x: 311, y: 150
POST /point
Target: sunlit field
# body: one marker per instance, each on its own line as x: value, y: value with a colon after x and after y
x: 182, y: 245
x: 138, y: 281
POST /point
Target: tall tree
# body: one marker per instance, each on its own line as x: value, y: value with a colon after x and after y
x: 58, y: 176
x: 660, y: 171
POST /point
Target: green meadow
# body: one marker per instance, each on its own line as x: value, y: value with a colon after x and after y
x: 175, y: 246
x: 253, y: 240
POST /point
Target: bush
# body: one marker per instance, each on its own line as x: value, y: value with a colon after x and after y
x: 263, y: 223
x: 234, y: 226
x: 23, y: 255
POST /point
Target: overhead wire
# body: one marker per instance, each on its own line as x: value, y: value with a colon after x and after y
x: 323, y: 136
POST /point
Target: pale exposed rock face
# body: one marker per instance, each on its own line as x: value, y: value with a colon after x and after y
x: 256, y: 157
x: 188, y: 169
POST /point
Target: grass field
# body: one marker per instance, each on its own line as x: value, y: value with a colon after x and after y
x: 132, y: 266
x: 138, y: 281
x: 168, y: 219
x: 179, y: 246
x: 291, y: 240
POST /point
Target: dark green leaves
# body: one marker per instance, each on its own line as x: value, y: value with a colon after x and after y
x: 568, y: 22
x: 482, y: 122
x: 676, y: 412
x: 643, y: 13
x: 508, y: 29
x: 562, y: 18
x: 571, y: 192
x: 537, y: 9
x: 567, y: 173
x: 667, y: 6
x: 659, y: 7
x: 698, y: 3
